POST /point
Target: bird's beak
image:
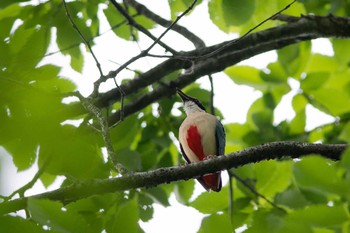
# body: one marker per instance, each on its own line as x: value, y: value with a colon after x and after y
x: 183, y: 96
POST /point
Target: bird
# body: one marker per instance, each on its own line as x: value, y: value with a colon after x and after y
x: 201, y: 137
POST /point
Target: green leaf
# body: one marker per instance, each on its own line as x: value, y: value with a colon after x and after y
x: 28, y: 107
x: 23, y: 156
x: 341, y: 51
x: 322, y: 230
x: 10, y: 12
x: 47, y: 179
x: 158, y: 195
x: 68, y: 40
x: 275, y: 74
x: 317, y: 216
x: 345, y: 159
x: 316, y: 174
x: 314, y: 81
x: 294, y: 58
x: 216, y: 15
x: 241, y: 211
x: 129, y: 158
x: 345, y: 133
x: 291, y: 198
x: 118, y: 22
x: 273, y: 177
x: 124, y: 134
x: 52, y: 214
x: 234, y: 136
x: 179, y: 6
x: 335, y: 86
x: 262, y: 119
x: 299, y: 103
x: 322, y: 63
x: 26, y: 48
x: 95, y: 209
x: 183, y: 191
x: 216, y: 223
x: 5, y: 3
x: 125, y: 218
x: 264, y: 221
x: 72, y: 151
x: 18, y: 224
x: 147, y: 151
x: 246, y: 75
x: 145, y: 207
x: 297, y: 125
x: 77, y: 60
x: 145, y: 22
x: 208, y: 203
x: 236, y: 12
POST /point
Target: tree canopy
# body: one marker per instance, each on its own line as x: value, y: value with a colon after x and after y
x: 116, y: 147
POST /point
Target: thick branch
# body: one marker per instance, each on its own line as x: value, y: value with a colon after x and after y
x: 275, y: 150
x: 305, y: 29
x: 207, y: 61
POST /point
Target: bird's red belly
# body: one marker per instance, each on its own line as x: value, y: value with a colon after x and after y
x: 194, y: 141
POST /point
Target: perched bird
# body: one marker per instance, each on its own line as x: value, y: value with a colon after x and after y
x: 201, y: 136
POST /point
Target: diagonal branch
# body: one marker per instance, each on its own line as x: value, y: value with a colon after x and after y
x: 87, y: 43
x: 141, y: 9
x: 305, y: 28
x: 133, y: 23
x: 274, y: 150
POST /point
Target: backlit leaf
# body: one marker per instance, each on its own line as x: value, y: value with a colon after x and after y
x: 215, y: 223
x: 208, y: 203
x: 53, y: 215
x: 237, y: 12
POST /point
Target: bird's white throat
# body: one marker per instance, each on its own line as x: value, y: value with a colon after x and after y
x: 191, y: 107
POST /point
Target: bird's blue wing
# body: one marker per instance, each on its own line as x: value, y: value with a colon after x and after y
x: 220, y: 137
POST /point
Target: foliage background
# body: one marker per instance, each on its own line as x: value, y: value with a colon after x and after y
x: 309, y: 194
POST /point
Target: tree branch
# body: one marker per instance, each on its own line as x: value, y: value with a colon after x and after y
x: 306, y: 28
x: 141, y: 9
x: 274, y: 150
x: 87, y: 43
x: 133, y: 23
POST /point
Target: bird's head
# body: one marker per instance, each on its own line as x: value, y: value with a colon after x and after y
x: 190, y: 104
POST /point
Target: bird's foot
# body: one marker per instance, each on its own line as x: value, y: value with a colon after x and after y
x: 209, y: 157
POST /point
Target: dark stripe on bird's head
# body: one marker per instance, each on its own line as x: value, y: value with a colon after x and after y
x: 186, y: 98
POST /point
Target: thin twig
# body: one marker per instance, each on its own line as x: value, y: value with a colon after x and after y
x: 89, y: 40
x: 31, y: 183
x: 141, y: 9
x: 127, y: 68
x: 113, y: 74
x: 245, y: 35
x: 286, y: 18
x: 102, y: 76
x: 144, y: 53
x: 83, y: 38
x: 245, y: 184
x: 133, y: 23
